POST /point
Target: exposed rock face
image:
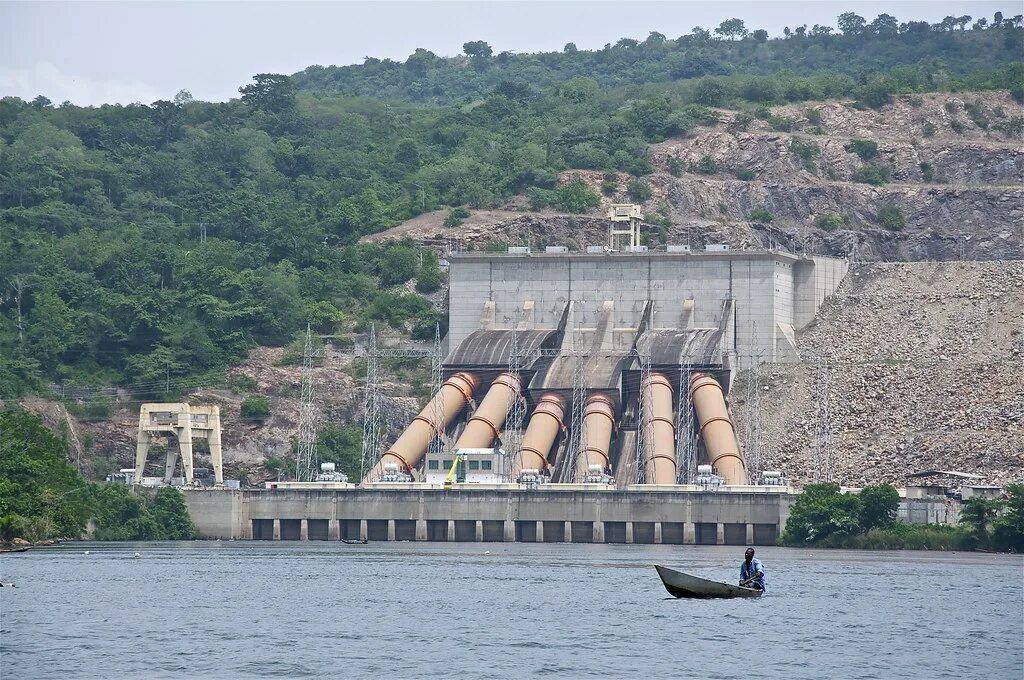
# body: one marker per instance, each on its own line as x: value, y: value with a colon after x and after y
x: 956, y: 184
x: 925, y: 365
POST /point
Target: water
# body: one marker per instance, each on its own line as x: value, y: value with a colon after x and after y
x: 404, y: 610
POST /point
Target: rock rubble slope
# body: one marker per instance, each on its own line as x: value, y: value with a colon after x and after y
x: 925, y: 367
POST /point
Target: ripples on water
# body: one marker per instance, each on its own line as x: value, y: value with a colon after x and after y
x: 402, y: 610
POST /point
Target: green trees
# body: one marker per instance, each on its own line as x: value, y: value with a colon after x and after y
x: 850, y: 23
x: 269, y: 92
x: 878, y: 506
x: 42, y: 496
x: 824, y: 516
x: 733, y: 28
x: 822, y: 513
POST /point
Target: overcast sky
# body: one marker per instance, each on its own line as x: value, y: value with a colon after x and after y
x: 100, y: 52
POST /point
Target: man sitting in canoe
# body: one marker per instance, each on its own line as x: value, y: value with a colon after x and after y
x: 751, y: 571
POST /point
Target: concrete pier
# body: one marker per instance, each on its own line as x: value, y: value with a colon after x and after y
x: 661, y: 516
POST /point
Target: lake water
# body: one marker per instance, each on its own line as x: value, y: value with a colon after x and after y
x: 417, y: 610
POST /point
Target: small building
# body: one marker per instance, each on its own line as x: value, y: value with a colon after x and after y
x: 968, y: 492
x: 481, y: 466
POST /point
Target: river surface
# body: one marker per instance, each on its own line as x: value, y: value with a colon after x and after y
x: 418, y: 610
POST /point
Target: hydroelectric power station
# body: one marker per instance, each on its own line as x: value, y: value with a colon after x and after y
x: 583, y: 398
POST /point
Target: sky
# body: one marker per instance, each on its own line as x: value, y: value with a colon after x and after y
x: 91, y: 53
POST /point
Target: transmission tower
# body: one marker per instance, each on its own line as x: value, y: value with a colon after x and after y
x: 686, y: 441
x: 512, y: 436
x: 437, y: 442
x: 306, y: 461
x: 754, y: 435
x: 822, y: 425
x: 578, y: 438
x: 642, y: 445
x: 372, y: 417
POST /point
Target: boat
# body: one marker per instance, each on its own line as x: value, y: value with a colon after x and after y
x: 679, y: 584
x: 14, y: 549
x: 354, y: 541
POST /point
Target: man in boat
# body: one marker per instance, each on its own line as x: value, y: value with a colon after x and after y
x: 751, y: 571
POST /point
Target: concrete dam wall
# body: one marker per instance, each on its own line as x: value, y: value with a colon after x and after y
x: 670, y: 516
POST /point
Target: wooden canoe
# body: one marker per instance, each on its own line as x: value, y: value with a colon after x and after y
x: 679, y: 584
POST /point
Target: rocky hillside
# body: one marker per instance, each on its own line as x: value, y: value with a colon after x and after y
x: 928, y: 177
x: 925, y: 367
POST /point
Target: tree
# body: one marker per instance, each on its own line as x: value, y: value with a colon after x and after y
x: 171, y: 515
x: 1008, y: 529
x: 183, y: 98
x: 732, y: 28
x: 709, y: 91
x: 977, y: 514
x: 818, y: 30
x: 760, y: 35
x: 270, y: 93
x: 420, y: 61
x: 42, y: 102
x: 700, y: 34
x: 570, y: 48
x: 997, y: 20
x: 821, y: 512
x: 850, y: 23
x: 477, y: 48
x: 962, y: 22
x: 878, y: 506
x: 884, y: 25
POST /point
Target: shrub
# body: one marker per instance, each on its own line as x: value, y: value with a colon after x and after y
x: 575, y: 197
x: 540, y: 198
x: 256, y: 408
x: 705, y: 166
x: 813, y: 116
x: 639, y: 190
x: 746, y: 174
x: 816, y: 130
x: 806, y: 151
x: 763, y: 112
x: 781, y: 123
x: 609, y: 187
x: 830, y: 221
x: 743, y: 119
x: 929, y: 129
x: 430, y: 276
x: 927, y: 172
x: 891, y: 217
x: 957, y: 126
x: 675, y: 166
x: 455, y: 217
x: 977, y: 114
x: 865, y: 148
x: 872, y: 174
x: 761, y: 215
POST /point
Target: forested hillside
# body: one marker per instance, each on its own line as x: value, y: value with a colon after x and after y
x: 852, y: 52
x: 140, y: 244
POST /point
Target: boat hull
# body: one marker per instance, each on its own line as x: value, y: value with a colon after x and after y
x: 680, y: 585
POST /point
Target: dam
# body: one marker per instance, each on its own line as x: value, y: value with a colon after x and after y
x: 583, y: 396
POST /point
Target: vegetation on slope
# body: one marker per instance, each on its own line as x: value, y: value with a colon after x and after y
x: 848, y: 55
x: 140, y: 244
x: 43, y: 496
